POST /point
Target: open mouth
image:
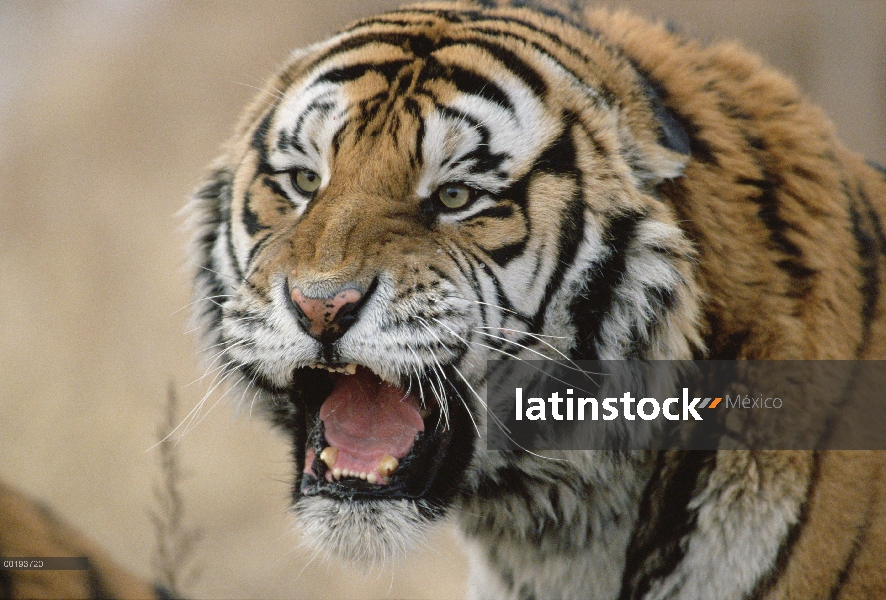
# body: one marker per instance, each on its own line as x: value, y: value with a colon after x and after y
x: 366, y: 438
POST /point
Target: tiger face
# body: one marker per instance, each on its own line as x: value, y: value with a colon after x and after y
x: 426, y: 191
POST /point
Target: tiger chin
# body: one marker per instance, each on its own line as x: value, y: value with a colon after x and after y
x: 448, y: 183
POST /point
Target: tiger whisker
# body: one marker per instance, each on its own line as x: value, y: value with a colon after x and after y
x: 571, y: 364
x: 220, y: 398
x: 529, y: 333
x: 438, y: 394
x: 501, y: 425
x: 246, y: 389
x: 189, y: 417
x: 267, y: 102
x: 215, y: 357
x: 278, y: 93
x: 210, y: 298
x: 223, y: 274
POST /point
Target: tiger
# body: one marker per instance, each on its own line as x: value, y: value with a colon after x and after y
x: 31, y: 530
x: 446, y: 183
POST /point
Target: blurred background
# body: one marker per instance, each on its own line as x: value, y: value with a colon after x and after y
x: 109, y: 112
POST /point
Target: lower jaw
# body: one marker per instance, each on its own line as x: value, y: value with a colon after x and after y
x: 366, y: 531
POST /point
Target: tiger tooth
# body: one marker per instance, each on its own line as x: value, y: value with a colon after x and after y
x: 371, y: 478
x: 329, y: 456
x: 387, y: 465
x: 336, y: 472
x: 426, y: 412
x: 363, y: 476
x: 351, y: 368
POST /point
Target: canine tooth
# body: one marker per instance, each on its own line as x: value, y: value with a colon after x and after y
x: 387, y: 465
x: 351, y: 368
x: 336, y: 472
x: 371, y: 478
x: 329, y: 455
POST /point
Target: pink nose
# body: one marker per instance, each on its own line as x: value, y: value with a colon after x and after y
x: 327, y: 317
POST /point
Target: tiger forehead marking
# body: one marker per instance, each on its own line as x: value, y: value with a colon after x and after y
x: 430, y: 107
x: 451, y: 183
x: 446, y: 116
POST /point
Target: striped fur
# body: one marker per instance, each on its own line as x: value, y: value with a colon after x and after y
x: 634, y: 195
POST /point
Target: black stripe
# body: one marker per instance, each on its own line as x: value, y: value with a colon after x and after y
x: 868, y: 256
x: 769, y: 213
x: 861, y: 538
x: 501, y: 299
x: 499, y: 211
x: 278, y: 190
x: 388, y: 70
x: 481, y: 160
x: 256, y: 248
x: 250, y: 219
x: 213, y: 196
x: 568, y: 242
x: 785, y: 552
x: 605, y: 92
x: 232, y: 256
x: 468, y: 274
x: 6, y: 587
x: 321, y: 105
x: 473, y: 279
x: 874, y: 219
x: 388, y: 20
x: 510, y: 60
x: 98, y: 590
x: 259, y: 137
x: 477, y: 17
x: 471, y: 82
x: 400, y: 40
x: 665, y: 520
x: 505, y: 254
x: 878, y: 166
x: 590, y: 307
x: 163, y: 593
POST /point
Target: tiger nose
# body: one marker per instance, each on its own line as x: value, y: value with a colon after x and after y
x: 327, y: 319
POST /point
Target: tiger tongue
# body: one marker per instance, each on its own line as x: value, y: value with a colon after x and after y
x: 366, y: 419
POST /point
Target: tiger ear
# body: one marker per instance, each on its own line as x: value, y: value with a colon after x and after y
x: 667, y: 156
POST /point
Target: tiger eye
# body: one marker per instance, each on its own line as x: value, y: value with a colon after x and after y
x: 454, y: 196
x: 306, y: 181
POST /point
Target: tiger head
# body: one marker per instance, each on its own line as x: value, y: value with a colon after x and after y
x: 425, y: 191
